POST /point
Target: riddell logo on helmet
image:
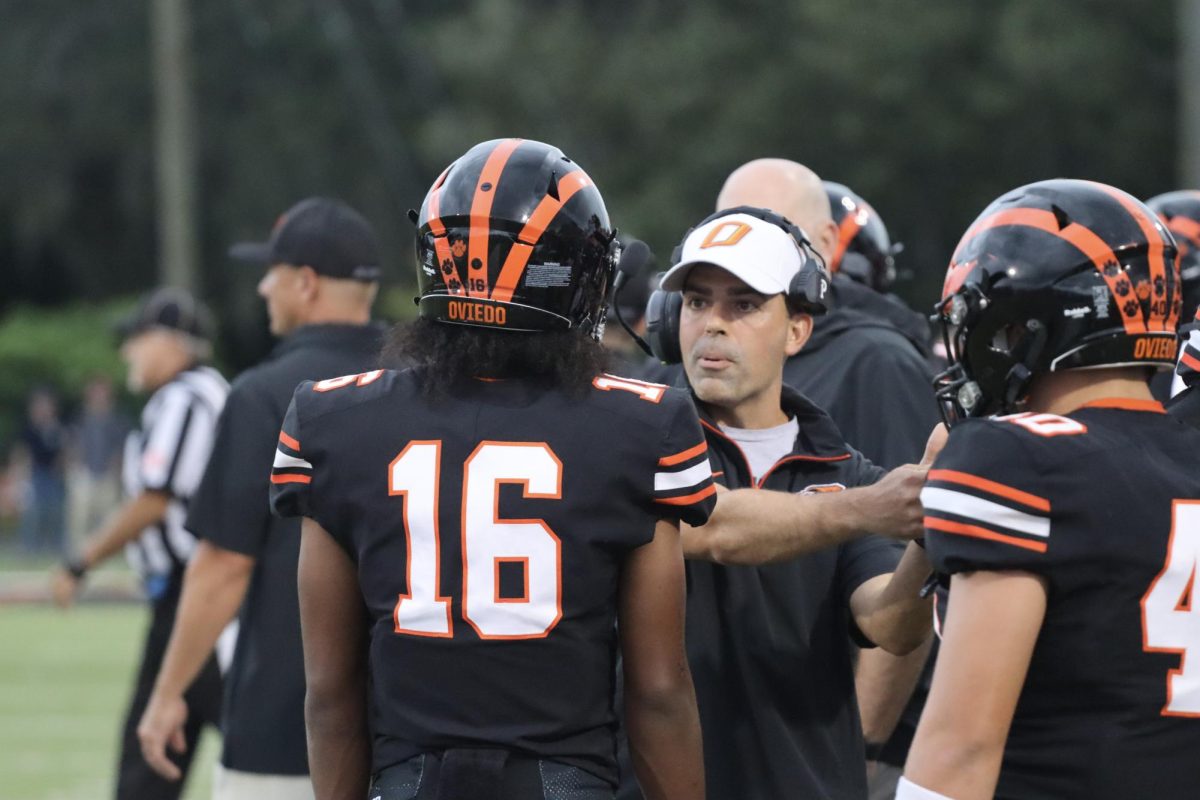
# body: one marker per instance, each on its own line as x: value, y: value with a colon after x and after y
x: 1155, y: 349
x: 464, y: 311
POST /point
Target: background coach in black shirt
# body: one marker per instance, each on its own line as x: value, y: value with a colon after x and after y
x: 321, y: 279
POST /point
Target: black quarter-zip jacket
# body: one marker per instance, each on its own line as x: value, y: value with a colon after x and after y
x: 768, y: 645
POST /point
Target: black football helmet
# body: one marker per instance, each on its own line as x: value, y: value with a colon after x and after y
x: 1056, y: 275
x: 864, y: 250
x: 515, y: 236
x: 1180, y: 212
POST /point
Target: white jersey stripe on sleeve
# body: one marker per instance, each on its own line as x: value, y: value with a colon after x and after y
x: 670, y: 481
x: 985, y: 511
x: 284, y: 461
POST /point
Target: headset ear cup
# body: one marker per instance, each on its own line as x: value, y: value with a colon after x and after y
x: 809, y: 289
x: 674, y: 309
x: 662, y: 325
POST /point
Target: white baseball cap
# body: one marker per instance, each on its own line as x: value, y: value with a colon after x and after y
x: 759, y: 253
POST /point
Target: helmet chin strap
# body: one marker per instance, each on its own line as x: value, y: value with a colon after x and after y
x: 1028, y: 351
x: 596, y: 330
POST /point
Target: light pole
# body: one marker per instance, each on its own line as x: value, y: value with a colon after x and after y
x: 175, y: 158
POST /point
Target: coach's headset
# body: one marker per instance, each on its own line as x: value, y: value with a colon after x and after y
x: 807, y: 292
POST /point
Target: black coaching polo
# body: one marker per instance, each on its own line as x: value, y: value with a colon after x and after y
x: 768, y: 645
x: 264, y: 689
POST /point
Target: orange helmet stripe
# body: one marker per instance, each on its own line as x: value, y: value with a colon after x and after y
x: 441, y: 246
x: 481, y: 217
x: 1083, y: 239
x: 848, y: 228
x: 1158, y: 266
x: 539, y: 220
x: 435, y: 220
x: 1184, y: 226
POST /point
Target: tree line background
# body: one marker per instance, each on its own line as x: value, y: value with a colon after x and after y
x: 928, y: 108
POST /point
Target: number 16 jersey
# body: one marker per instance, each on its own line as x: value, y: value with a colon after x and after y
x: 1104, y: 505
x: 488, y: 529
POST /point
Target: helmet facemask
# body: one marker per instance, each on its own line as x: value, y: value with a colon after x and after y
x: 992, y: 361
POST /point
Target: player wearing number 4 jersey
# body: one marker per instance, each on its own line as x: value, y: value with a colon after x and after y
x: 1070, y: 662
x: 477, y: 524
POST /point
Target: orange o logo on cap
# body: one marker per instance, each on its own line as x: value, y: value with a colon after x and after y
x: 727, y: 233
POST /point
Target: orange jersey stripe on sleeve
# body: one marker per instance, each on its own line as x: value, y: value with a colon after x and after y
x: 690, y: 498
x: 291, y: 479
x: 979, y: 532
x: 679, y: 458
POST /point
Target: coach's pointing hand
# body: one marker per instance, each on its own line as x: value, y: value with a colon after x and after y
x: 892, y: 507
x: 934, y: 444
x: 162, y: 725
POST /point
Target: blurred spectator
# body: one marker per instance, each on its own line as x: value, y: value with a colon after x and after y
x: 42, y: 441
x: 13, y: 485
x: 93, y: 471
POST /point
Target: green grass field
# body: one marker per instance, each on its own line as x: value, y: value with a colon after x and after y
x: 64, y: 680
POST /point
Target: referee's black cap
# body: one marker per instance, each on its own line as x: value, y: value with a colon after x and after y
x: 322, y: 233
x: 170, y: 308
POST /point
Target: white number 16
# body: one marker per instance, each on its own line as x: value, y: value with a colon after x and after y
x: 487, y: 541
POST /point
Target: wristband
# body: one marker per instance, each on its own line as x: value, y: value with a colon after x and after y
x: 75, y: 567
x: 931, y: 584
x: 907, y: 790
x: 875, y: 750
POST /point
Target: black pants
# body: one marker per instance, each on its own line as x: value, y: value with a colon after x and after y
x: 431, y: 777
x: 135, y: 779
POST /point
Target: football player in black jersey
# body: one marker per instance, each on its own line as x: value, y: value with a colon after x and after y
x: 476, y: 526
x: 1180, y: 212
x: 1070, y: 522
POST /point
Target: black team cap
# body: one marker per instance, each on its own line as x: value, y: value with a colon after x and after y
x: 322, y: 233
x: 172, y: 309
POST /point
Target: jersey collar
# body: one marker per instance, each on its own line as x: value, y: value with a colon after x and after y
x: 1127, y: 404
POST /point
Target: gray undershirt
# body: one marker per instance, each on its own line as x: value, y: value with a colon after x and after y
x: 764, y: 447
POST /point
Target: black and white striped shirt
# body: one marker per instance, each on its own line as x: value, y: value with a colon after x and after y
x: 169, y: 454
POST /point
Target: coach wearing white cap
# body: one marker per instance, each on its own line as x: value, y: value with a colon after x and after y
x: 778, y: 578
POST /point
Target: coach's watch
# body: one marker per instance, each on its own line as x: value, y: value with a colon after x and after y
x: 75, y: 567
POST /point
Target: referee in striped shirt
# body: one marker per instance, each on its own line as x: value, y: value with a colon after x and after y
x: 165, y: 345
